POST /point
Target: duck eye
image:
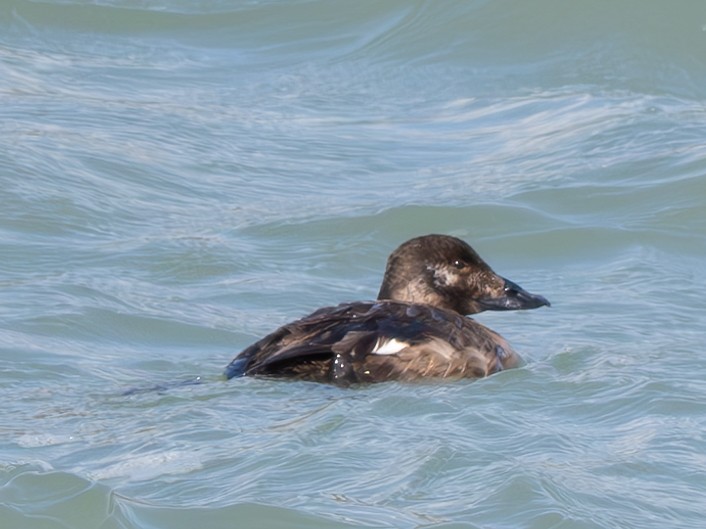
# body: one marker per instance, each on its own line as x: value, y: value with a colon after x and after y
x: 459, y: 264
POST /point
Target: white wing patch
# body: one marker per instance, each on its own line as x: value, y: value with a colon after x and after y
x: 386, y: 346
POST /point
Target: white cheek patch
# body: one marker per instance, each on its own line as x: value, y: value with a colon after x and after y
x: 388, y: 347
x: 444, y: 277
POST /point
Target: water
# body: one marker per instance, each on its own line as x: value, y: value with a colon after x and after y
x: 179, y: 178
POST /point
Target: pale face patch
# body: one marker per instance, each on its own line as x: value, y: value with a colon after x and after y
x: 385, y: 346
x: 444, y: 276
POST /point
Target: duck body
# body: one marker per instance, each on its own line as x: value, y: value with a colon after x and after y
x: 376, y: 341
x: 416, y: 329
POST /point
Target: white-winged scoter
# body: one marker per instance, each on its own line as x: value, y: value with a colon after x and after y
x: 416, y: 329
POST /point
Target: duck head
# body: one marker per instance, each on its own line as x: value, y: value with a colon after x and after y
x: 445, y: 272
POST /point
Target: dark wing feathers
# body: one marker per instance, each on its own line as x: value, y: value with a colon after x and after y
x: 312, y: 336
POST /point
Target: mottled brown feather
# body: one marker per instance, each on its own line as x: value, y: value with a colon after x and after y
x: 336, y: 344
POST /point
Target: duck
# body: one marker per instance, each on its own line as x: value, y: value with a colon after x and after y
x: 416, y: 329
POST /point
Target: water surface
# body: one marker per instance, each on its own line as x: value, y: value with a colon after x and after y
x: 179, y: 178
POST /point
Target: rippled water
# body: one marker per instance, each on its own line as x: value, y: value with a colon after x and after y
x: 179, y: 178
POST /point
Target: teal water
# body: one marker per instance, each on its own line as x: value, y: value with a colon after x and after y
x: 179, y: 178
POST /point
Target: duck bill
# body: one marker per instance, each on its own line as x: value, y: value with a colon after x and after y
x: 514, y: 297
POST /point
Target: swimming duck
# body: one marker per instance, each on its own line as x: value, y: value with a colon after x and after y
x: 416, y: 329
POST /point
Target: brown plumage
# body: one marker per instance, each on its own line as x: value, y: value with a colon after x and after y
x: 416, y: 328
